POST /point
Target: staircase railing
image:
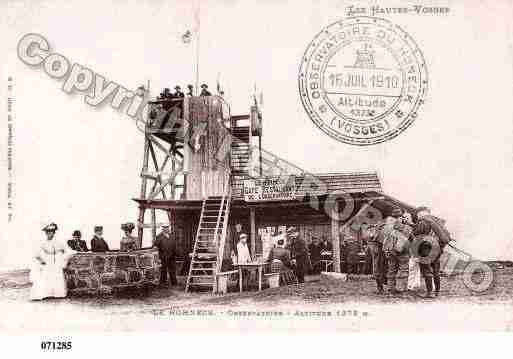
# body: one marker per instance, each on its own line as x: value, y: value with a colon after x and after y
x: 194, y: 249
x: 222, y: 239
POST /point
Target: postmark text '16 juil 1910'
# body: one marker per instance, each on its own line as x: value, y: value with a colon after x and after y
x: 362, y: 80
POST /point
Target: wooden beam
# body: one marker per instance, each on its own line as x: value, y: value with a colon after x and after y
x: 253, y: 230
x: 142, y: 209
x: 335, y: 236
x: 163, y: 149
x: 173, y: 168
x: 154, y: 228
x: 158, y: 177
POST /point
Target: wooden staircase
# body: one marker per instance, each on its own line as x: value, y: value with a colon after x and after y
x: 207, y: 255
x: 240, y: 151
x: 240, y: 159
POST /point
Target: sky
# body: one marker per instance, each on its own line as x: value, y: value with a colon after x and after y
x: 79, y: 165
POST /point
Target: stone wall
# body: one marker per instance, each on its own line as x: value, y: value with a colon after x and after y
x: 103, y: 272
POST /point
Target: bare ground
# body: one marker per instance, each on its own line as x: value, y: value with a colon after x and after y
x: 353, y: 305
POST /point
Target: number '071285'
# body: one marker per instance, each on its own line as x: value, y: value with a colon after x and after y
x: 49, y: 345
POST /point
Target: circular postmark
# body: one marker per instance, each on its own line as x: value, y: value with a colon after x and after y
x: 362, y: 80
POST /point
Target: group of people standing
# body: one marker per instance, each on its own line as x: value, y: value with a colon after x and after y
x: 167, y: 95
x: 51, y: 257
x: 402, y: 237
x: 98, y: 244
x: 290, y: 249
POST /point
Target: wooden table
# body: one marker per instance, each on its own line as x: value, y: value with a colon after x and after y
x: 252, y: 265
x: 327, y: 263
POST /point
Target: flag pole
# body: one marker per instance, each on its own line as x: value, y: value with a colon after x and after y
x: 198, y: 25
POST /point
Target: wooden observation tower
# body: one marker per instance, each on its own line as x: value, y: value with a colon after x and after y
x: 194, y: 151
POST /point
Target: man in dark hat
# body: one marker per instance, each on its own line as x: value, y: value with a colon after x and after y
x: 315, y: 250
x: 204, y: 90
x: 375, y: 243
x: 299, y: 254
x: 430, y: 240
x: 167, y: 253
x: 76, y: 243
x: 190, y: 90
x: 178, y: 92
x: 178, y: 104
x: 98, y: 244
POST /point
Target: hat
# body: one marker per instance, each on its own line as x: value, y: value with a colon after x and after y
x: 396, y: 212
x: 164, y: 226
x: 77, y: 234
x: 421, y: 209
x: 50, y: 227
x: 291, y: 230
x: 243, y: 235
x: 128, y: 226
x: 177, y: 87
x: 190, y: 86
x: 98, y: 228
x: 204, y: 86
x: 407, y: 216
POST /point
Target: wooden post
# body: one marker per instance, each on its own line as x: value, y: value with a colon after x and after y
x: 184, y: 188
x: 140, y: 229
x: 253, y: 230
x: 336, y: 238
x: 173, y: 168
x: 153, y: 225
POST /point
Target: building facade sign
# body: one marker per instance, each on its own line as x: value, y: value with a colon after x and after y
x: 269, y: 189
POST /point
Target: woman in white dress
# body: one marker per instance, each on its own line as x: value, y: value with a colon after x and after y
x: 47, y: 274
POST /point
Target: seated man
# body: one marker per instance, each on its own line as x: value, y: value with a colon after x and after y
x: 76, y: 243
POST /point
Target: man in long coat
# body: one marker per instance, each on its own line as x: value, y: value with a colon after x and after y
x: 315, y: 249
x: 299, y: 254
x: 167, y: 253
x: 375, y: 243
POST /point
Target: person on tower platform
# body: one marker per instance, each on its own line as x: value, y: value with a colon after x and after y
x: 190, y: 90
x: 204, y: 90
x: 178, y: 92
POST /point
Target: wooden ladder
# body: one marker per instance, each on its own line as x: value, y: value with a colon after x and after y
x: 207, y: 255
